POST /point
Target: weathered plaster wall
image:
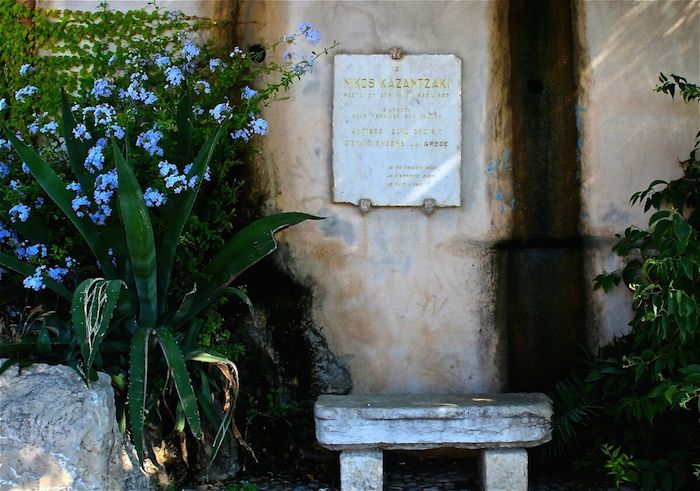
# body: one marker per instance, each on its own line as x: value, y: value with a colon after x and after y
x: 406, y: 300
x: 628, y: 134
x: 414, y: 303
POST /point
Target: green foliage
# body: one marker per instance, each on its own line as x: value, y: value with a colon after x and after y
x: 141, y: 323
x: 647, y: 383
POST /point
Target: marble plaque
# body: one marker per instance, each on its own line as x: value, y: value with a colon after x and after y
x: 397, y: 128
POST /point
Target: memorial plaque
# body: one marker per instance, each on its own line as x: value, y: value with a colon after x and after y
x: 397, y: 128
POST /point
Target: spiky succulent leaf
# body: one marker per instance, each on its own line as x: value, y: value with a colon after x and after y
x: 181, y: 378
x: 139, y: 239
x: 246, y: 248
x: 94, y: 303
x: 138, y: 369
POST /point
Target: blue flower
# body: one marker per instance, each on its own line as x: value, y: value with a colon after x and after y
x: 288, y: 56
x: 25, y: 168
x: 100, y: 216
x: 81, y: 205
x: 189, y: 50
x: 105, y: 185
x: 202, y: 86
x: 29, y: 90
x: 167, y: 168
x: 25, y: 69
x: 102, y: 113
x: 14, y: 185
x: 111, y: 60
x: 248, y: 93
x: 289, y: 38
x: 312, y: 35
x: 35, y: 282
x: 35, y: 250
x: 33, y: 127
x: 220, y: 112
x: 95, y: 158
x: 19, y: 212
x: 148, y: 140
x: 81, y: 132
x: 174, y: 76
x: 70, y: 262
x: 74, y: 186
x: 4, y: 170
x: 305, y: 65
x: 4, y: 233
x: 3, y: 104
x: 259, y: 126
x: 102, y: 88
x: 39, y: 202
x: 153, y: 197
x: 57, y: 273
x: 162, y: 61
x: 214, y: 63
x: 242, y: 134
x: 49, y: 128
x: 237, y: 52
x: 176, y: 182
x: 116, y: 131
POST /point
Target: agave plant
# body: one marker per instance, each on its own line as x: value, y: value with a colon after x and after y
x: 132, y: 298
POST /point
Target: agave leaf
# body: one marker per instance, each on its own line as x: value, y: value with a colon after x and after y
x: 77, y: 149
x: 56, y: 189
x: 139, y: 239
x: 183, y: 384
x: 26, y: 270
x: 94, y: 303
x: 230, y: 372
x: 183, y: 136
x: 246, y: 248
x: 137, y: 387
x: 177, y: 212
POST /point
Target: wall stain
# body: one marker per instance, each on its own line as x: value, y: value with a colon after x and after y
x: 542, y: 282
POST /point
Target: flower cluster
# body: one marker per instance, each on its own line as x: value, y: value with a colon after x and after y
x: 134, y: 105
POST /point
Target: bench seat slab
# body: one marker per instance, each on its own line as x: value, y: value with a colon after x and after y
x: 415, y: 422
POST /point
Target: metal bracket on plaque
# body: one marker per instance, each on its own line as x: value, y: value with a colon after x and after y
x: 365, y: 205
x: 396, y: 53
x: 429, y: 206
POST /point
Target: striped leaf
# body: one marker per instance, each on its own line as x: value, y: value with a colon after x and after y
x: 181, y: 378
x: 246, y: 248
x: 94, y: 303
x: 56, y: 189
x: 139, y: 239
x: 26, y: 270
x: 138, y: 369
x: 77, y: 149
x: 176, y: 214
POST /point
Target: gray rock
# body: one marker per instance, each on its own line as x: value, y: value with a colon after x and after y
x: 55, y: 433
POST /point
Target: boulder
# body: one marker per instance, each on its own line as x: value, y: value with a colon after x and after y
x: 56, y: 433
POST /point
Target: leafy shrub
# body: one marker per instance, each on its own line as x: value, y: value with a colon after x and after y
x: 158, y: 118
x: 640, y: 397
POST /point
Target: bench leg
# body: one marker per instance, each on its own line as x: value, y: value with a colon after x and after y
x: 361, y: 470
x: 504, y: 469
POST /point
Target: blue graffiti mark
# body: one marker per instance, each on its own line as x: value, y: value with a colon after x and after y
x: 499, y: 196
x: 506, y: 159
x: 579, y: 131
x: 491, y: 168
x: 502, y: 208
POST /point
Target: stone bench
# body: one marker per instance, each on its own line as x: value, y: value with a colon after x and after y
x: 501, y: 425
